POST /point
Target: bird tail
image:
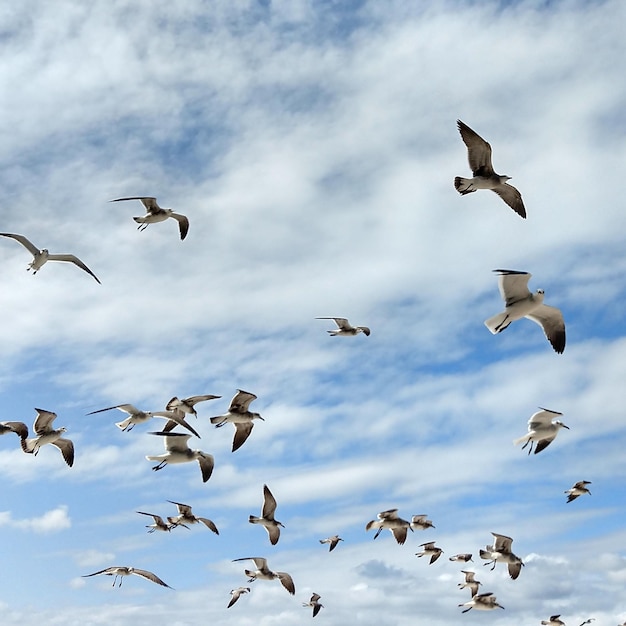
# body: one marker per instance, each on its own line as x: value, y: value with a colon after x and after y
x: 123, y: 424
x: 516, y: 442
x: 495, y: 323
x: 463, y: 185
x: 254, y: 520
x: 485, y: 555
x: 218, y: 420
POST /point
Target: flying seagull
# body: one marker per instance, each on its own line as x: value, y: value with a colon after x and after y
x: 19, y: 428
x: 500, y: 552
x: 267, y: 516
x: 553, y: 621
x: 470, y: 582
x: 579, y: 489
x: 239, y: 415
x: 46, y: 434
x: 187, y: 405
x: 156, y: 214
x: 41, y: 257
x: 420, y: 522
x: 519, y: 302
x: 482, y: 602
x: 177, y: 451
x: 461, y: 558
x: 430, y: 549
x: 236, y: 594
x: 159, y: 524
x: 542, y: 429
x: 135, y: 416
x: 390, y: 520
x: 127, y: 571
x: 344, y: 328
x: 479, y: 157
x: 186, y: 516
x: 314, y: 602
x: 333, y: 541
x: 264, y: 573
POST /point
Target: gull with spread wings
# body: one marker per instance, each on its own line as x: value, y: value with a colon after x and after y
x: 156, y: 214
x: 344, y: 328
x: 46, y: 434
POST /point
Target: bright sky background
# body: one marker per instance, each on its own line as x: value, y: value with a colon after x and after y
x: 313, y: 146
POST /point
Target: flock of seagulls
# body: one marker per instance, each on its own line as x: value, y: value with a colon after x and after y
x: 543, y: 426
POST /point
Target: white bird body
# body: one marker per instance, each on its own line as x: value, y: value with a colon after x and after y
x: 267, y: 516
x: 542, y: 430
x: 177, y: 451
x: 579, y: 489
x: 156, y: 214
x: 264, y: 573
x: 520, y: 302
x: 482, y: 602
x: 500, y: 552
x: 396, y: 525
x: 48, y: 435
x: 239, y: 415
x: 344, y: 328
x: 120, y: 572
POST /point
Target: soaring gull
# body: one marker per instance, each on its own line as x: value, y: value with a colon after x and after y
x: 156, y: 214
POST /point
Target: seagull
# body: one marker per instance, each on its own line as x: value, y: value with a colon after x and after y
x: 470, y: 582
x: 156, y: 214
x: 579, y: 489
x: 314, y: 603
x: 187, y: 405
x: 19, y: 428
x: 185, y: 516
x: 482, y: 602
x: 264, y: 573
x: 396, y: 525
x: 127, y: 571
x: 41, y: 257
x: 135, y: 416
x: 344, y: 328
x: 177, y: 451
x: 236, y: 593
x: 267, y: 516
x: 419, y: 522
x: 430, y: 549
x: 465, y: 558
x: 553, y: 621
x: 239, y: 415
x: 519, y: 302
x: 541, y: 430
x: 333, y: 541
x: 500, y: 552
x: 46, y: 434
x: 159, y: 524
x: 588, y: 621
x: 479, y: 157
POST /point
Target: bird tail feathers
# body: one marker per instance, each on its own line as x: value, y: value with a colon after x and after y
x: 494, y: 324
x: 463, y: 185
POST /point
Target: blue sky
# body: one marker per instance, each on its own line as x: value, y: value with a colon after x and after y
x: 313, y: 146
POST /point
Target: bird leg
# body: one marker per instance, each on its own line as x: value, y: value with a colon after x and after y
x: 161, y: 465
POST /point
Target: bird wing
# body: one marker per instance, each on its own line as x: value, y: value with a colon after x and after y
x: 515, y: 569
x: 19, y: 428
x: 287, y: 582
x: 157, y: 518
x: 183, y: 509
x: 400, y: 534
x: 174, y: 442
x: 125, y: 408
x: 544, y: 443
x: 269, y: 504
x: 209, y: 524
x: 274, y: 534
x: 207, y: 463
x: 75, y: 260
x: 43, y: 421
x: 551, y: 320
x: 173, y: 420
x: 195, y: 399
x: 241, y: 401
x: 512, y: 197
x: 435, y: 556
x: 67, y: 449
x: 390, y: 514
x: 542, y: 418
x: 242, y: 432
x: 259, y: 561
x: 150, y: 576
x: 183, y: 224
x: 108, y: 570
x: 502, y: 543
x: 478, y: 150
x: 513, y: 285
x: 25, y: 242
x: 149, y: 202
x: 333, y: 543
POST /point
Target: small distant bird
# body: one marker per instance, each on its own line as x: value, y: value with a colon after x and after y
x: 519, y: 302
x: 479, y: 157
x: 579, y: 489
x: 127, y: 571
x: 135, y: 416
x: 482, y: 602
x: 264, y: 573
x: 159, y: 524
x: 19, y: 428
x: 553, y: 621
x: 187, y: 405
x: 156, y: 214
x: 470, y: 582
x: 46, y: 434
x: 177, y: 451
x: 430, y: 549
x: 41, y: 257
x: 465, y: 558
x: 344, y: 328
x: 420, y: 522
x: 239, y: 415
x: 542, y: 430
x: 236, y: 594
x: 267, y: 516
x: 333, y: 541
x: 500, y: 552
x: 186, y: 516
x: 588, y: 621
x: 390, y: 520
x: 314, y: 602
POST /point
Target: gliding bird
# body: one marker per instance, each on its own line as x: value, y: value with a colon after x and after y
x: 333, y: 541
x: 177, y: 451
x: 127, y: 571
x: 430, y: 549
x: 470, y: 582
x: 482, y: 602
x: 264, y: 573
x: 579, y: 489
x: 542, y: 430
x: 344, y: 329
x: 46, y: 434
x: 390, y: 520
x: 239, y: 415
x: 236, y: 594
x: 314, y: 602
x: 553, y: 621
x: 500, y: 552
x: 186, y: 516
x: 267, y: 516
x: 156, y: 214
